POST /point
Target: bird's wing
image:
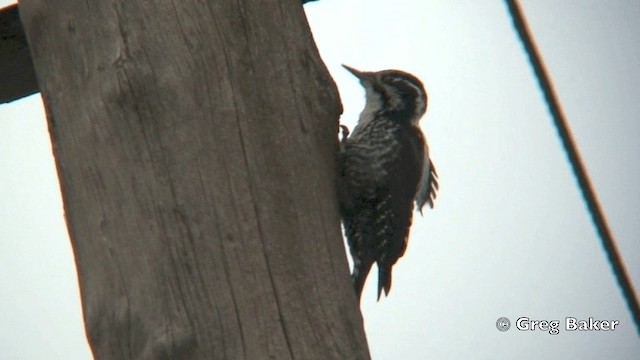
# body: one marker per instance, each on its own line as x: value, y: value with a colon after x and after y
x: 428, y: 185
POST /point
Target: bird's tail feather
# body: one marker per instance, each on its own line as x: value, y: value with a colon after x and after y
x: 384, y: 280
x: 359, y: 276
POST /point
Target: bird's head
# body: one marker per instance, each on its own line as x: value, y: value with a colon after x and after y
x: 396, y: 93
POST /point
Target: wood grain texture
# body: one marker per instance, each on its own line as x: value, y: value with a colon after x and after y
x: 195, y: 144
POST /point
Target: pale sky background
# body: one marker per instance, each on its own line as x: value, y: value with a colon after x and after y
x: 509, y: 235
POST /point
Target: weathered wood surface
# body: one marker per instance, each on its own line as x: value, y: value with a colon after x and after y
x: 195, y: 147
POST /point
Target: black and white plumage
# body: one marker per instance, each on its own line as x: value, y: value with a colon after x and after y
x: 384, y: 168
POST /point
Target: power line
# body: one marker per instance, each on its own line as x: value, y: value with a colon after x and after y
x: 579, y: 169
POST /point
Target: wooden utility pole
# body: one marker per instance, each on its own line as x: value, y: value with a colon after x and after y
x: 195, y: 145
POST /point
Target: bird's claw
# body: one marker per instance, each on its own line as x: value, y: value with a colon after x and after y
x: 345, y: 132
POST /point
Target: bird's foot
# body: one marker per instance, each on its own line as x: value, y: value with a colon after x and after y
x: 345, y: 132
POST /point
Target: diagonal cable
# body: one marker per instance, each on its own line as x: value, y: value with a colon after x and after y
x: 579, y: 169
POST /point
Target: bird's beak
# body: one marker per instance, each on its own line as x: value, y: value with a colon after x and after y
x: 363, y: 76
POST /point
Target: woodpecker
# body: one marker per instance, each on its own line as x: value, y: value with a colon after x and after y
x: 384, y: 168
